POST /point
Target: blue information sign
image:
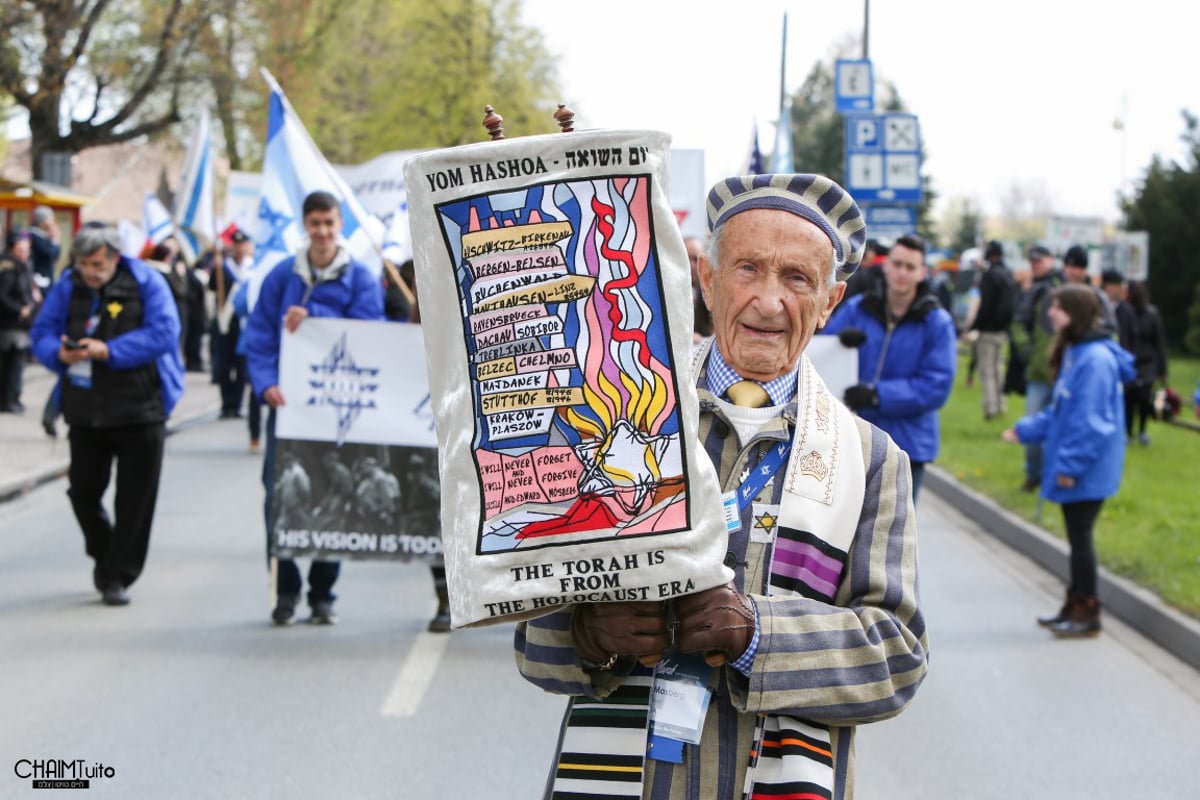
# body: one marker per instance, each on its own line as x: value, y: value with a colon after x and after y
x: 883, y: 158
x: 888, y: 222
x: 854, y: 85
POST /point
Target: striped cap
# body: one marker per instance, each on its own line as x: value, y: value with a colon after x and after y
x: 813, y: 197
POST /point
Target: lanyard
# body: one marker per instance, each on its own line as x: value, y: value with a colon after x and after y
x: 762, y: 474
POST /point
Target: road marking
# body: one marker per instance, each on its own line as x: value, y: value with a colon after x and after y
x: 415, y: 676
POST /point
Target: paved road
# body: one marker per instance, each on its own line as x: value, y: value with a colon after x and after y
x: 188, y: 692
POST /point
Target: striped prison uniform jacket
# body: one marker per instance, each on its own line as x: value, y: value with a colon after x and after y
x: 857, y: 660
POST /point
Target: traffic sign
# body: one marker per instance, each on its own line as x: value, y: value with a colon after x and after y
x: 883, y: 158
x: 854, y: 85
x: 888, y: 222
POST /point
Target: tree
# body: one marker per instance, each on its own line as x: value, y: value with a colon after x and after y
x: 453, y: 59
x: 819, y: 134
x: 95, y: 72
x: 238, y: 36
x: 407, y: 74
x: 1191, y: 336
x: 366, y: 76
x: 1164, y: 205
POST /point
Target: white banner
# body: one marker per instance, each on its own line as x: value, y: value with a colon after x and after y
x: 241, y: 200
x: 689, y: 192
x: 566, y: 411
x: 346, y: 380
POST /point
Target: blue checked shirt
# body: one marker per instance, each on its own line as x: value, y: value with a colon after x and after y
x: 746, y: 660
x: 781, y: 391
x: 721, y: 376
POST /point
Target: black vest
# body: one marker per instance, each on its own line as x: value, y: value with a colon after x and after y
x: 118, y: 396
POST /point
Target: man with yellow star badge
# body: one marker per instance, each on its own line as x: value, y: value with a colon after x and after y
x: 110, y: 330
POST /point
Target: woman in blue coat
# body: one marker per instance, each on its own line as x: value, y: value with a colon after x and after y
x: 1082, y: 432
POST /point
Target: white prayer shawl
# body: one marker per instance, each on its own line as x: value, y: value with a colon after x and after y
x: 554, y: 272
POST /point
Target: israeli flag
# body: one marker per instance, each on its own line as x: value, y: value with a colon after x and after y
x: 782, y: 162
x: 755, y: 164
x: 293, y: 167
x: 156, y: 220
x: 194, y: 217
x: 397, y: 242
x: 133, y: 238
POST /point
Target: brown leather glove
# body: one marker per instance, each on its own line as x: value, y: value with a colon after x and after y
x: 718, y: 623
x: 604, y: 630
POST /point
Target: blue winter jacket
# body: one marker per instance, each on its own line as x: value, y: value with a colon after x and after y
x: 156, y: 340
x: 917, y: 371
x: 1083, y: 429
x: 347, y: 289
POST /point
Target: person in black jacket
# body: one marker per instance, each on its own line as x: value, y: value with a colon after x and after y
x: 1141, y: 333
x: 997, y: 304
x: 17, y: 303
x: 110, y: 330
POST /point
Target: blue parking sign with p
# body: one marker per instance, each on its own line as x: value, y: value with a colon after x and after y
x: 864, y: 132
x: 883, y: 158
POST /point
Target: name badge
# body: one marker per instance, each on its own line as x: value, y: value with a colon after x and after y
x: 680, y: 697
x: 733, y: 516
x: 80, y: 374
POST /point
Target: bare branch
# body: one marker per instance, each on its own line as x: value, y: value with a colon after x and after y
x: 152, y: 76
x: 100, y: 85
x: 84, y: 136
x: 85, y: 34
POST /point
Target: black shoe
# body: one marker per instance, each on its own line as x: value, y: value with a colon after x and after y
x: 1063, y: 614
x: 50, y: 427
x: 322, y: 613
x: 230, y: 413
x: 15, y: 407
x: 440, y: 622
x: 114, y: 595
x: 285, y: 609
x: 1030, y: 485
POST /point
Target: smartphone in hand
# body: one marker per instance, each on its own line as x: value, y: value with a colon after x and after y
x: 73, y: 344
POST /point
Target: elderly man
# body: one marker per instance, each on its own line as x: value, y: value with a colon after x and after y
x: 109, y: 327
x: 820, y: 630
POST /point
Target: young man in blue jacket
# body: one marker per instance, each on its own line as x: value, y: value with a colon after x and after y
x: 906, y: 363
x: 110, y: 329
x: 321, y: 280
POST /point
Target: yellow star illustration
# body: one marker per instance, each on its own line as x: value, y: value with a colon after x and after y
x: 765, y: 521
x: 114, y: 308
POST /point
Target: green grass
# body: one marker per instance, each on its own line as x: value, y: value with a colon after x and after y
x: 1149, y: 532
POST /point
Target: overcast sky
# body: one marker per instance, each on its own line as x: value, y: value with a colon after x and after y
x: 1024, y: 91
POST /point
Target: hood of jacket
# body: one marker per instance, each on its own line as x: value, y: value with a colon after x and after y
x: 304, y: 269
x: 1125, y: 361
x: 874, y: 302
